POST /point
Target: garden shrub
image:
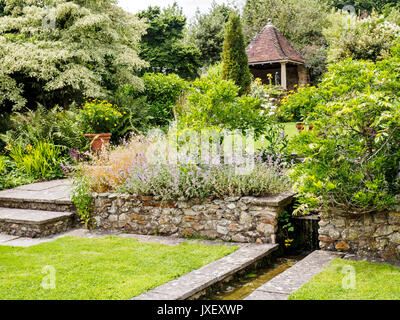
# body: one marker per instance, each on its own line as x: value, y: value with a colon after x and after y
x: 99, y: 117
x: 136, y: 169
x: 162, y: 92
x: 41, y: 161
x: 369, y: 38
x: 268, y: 95
x: 187, y: 181
x: 136, y: 112
x: 214, y: 102
x: 296, y: 105
x: 55, y: 126
x: 352, y: 158
x: 10, y: 175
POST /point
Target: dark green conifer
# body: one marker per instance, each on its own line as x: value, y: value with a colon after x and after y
x: 235, y: 64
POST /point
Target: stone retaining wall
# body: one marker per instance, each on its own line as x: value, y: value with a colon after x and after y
x: 37, y: 230
x: 245, y: 219
x: 375, y: 235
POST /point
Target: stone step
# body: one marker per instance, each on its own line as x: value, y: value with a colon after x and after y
x: 47, y: 196
x: 34, y: 223
x: 37, y: 204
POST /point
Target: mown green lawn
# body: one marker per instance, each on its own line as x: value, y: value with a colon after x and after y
x: 373, y: 281
x: 106, y: 268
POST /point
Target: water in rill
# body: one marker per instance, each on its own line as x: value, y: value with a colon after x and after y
x: 244, y: 286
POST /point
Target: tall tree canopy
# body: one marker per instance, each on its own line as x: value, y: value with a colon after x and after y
x: 163, y: 45
x: 62, y: 52
x: 300, y: 21
x: 207, y: 32
x: 363, y: 5
x: 235, y: 64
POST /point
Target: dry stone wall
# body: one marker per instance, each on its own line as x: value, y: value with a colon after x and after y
x: 238, y: 219
x: 375, y: 234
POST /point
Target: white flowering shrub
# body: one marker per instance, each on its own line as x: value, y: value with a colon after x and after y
x: 57, y: 52
x: 368, y: 38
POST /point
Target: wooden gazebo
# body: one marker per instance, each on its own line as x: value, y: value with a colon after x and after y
x: 271, y: 56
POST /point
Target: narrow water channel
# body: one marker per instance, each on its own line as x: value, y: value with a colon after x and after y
x: 244, y: 286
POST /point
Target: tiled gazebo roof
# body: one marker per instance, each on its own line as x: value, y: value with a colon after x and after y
x: 271, y: 46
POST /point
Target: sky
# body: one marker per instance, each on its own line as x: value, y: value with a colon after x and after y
x: 189, y: 6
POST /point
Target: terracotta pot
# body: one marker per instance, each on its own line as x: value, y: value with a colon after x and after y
x: 98, y: 141
x: 300, y: 126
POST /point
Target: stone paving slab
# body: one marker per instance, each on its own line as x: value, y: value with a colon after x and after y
x: 51, y: 191
x: 280, y: 287
x: 195, y: 281
x: 31, y: 216
x: 40, y: 186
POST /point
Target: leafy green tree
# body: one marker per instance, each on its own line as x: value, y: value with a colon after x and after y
x: 362, y: 5
x: 235, y: 64
x: 2, y: 7
x: 60, y: 54
x: 300, y: 21
x: 207, y: 32
x: 163, y: 45
x: 212, y: 102
x: 352, y: 157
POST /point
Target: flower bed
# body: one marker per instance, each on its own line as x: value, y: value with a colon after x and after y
x: 136, y: 190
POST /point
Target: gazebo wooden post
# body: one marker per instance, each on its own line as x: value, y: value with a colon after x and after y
x: 283, y: 75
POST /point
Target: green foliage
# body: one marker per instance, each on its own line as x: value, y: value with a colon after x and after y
x: 362, y: 5
x: 82, y: 199
x: 41, y: 161
x: 162, y: 93
x: 61, y: 53
x: 163, y: 45
x: 11, y: 176
x: 136, y: 116
x: 207, y: 32
x: 2, y: 164
x: 4, y: 127
x: 286, y: 228
x: 214, y: 102
x: 56, y: 126
x: 352, y: 158
x: 235, y: 64
x: 297, y: 105
x: 277, y: 142
x: 168, y: 182
x: 99, y: 117
x: 351, y: 37
x: 268, y: 95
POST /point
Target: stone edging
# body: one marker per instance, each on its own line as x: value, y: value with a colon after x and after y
x: 280, y: 287
x: 195, y: 284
